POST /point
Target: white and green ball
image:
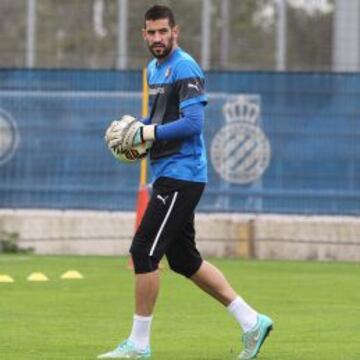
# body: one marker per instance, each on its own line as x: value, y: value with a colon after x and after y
x: 133, y: 154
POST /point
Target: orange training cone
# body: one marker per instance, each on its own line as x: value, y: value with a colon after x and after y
x: 141, y: 205
x: 143, y: 198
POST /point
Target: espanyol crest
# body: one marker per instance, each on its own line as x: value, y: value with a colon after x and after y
x: 9, y: 136
x: 240, y: 151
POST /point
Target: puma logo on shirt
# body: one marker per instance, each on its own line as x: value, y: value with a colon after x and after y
x: 194, y: 86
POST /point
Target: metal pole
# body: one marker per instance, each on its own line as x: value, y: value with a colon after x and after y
x: 224, y: 46
x: 346, y: 38
x: 206, y: 34
x: 122, y: 48
x: 281, y: 38
x: 31, y: 34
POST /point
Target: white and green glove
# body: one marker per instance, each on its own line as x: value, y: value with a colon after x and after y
x: 128, y: 132
x: 138, y: 135
x: 115, y: 132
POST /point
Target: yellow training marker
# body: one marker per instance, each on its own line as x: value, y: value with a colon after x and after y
x: 37, y: 277
x: 4, y: 278
x: 72, y: 274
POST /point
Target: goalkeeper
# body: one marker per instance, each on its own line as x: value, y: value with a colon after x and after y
x: 179, y: 166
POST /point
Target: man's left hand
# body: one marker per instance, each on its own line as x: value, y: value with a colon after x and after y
x: 137, y: 134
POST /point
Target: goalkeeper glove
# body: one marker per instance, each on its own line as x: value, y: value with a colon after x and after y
x: 144, y: 133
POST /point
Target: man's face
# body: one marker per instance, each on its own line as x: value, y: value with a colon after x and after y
x: 160, y: 37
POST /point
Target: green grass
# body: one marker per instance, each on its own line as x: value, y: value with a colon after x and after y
x: 316, y: 308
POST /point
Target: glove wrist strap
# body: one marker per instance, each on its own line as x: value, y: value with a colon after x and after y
x: 148, y: 133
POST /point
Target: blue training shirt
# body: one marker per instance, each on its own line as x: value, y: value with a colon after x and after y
x: 177, y: 100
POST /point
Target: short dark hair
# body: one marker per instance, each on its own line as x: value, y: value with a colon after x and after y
x: 157, y: 12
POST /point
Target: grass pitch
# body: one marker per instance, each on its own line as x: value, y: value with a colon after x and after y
x: 315, y: 306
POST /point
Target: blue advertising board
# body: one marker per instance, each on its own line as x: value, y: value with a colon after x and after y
x: 277, y: 142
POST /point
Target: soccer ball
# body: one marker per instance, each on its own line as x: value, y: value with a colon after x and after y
x: 133, y: 154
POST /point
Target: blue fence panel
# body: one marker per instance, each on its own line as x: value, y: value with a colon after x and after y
x: 312, y: 122
x: 52, y: 153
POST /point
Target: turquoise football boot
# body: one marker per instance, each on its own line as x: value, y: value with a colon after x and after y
x: 253, y: 339
x: 127, y: 350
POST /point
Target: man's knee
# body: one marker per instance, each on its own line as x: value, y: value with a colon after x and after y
x: 185, y: 269
x: 143, y: 263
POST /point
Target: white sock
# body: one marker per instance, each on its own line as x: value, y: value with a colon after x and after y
x: 140, y: 332
x: 244, y: 314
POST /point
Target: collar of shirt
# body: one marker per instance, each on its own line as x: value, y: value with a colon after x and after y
x: 168, y: 59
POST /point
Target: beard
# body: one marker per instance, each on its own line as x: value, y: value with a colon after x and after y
x: 163, y: 50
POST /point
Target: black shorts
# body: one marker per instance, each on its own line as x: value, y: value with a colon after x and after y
x: 168, y: 227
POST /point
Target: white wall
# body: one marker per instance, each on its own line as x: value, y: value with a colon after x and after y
x: 224, y: 235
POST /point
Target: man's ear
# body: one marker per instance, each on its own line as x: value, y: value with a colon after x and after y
x: 176, y: 31
x: 143, y: 33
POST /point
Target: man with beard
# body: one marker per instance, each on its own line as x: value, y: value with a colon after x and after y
x: 179, y: 167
